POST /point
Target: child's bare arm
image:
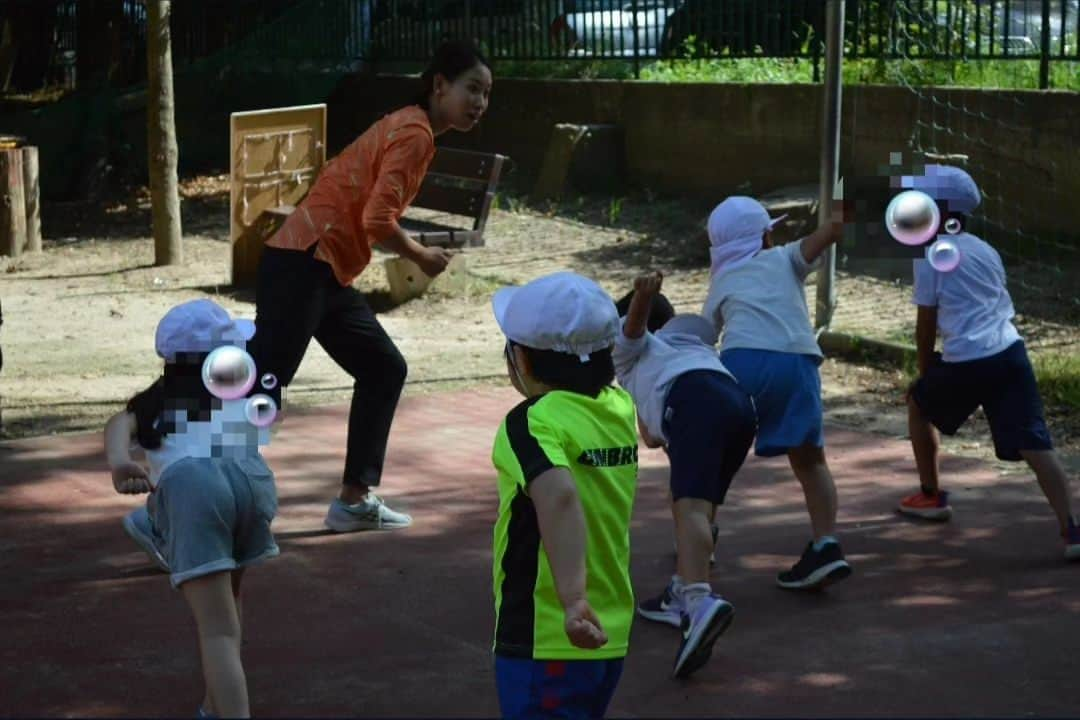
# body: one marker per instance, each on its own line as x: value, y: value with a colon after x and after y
x: 128, y: 476
x: 925, y: 336
x: 818, y: 241
x: 646, y: 288
x: 562, y: 530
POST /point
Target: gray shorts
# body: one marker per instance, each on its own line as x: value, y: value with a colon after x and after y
x: 210, y: 515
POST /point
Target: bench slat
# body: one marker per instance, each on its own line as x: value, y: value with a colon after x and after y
x: 462, y: 163
x: 454, y: 200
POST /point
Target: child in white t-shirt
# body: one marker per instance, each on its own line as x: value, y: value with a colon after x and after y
x: 983, y: 362
x: 691, y: 405
x: 757, y: 301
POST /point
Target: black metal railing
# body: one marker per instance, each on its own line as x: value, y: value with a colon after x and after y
x: 634, y: 31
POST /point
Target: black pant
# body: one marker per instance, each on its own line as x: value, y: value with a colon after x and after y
x: 298, y: 298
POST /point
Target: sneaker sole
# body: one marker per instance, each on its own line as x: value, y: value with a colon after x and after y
x: 824, y: 576
x: 694, y: 659
x: 937, y: 514
x: 145, y: 544
x: 667, y: 617
x: 363, y: 525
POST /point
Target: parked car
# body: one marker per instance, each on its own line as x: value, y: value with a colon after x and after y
x: 702, y: 27
x: 607, y: 28
x: 414, y: 28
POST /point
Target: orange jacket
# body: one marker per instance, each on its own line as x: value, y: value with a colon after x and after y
x: 360, y: 194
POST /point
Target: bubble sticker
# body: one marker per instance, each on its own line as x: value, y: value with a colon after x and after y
x: 952, y: 226
x: 943, y: 255
x: 260, y: 410
x: 268, y: 381
x: 228, y: 373
x: 912, y: 218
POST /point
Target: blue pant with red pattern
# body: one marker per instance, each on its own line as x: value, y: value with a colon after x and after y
x: 555, y: 688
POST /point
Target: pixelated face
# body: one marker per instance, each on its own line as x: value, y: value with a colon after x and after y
x: 213, y: 415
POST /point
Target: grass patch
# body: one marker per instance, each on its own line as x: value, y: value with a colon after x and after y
x: 1059, y: 379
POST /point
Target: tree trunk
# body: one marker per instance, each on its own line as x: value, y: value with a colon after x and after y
x: 161, y: 136
x: 12, y: 203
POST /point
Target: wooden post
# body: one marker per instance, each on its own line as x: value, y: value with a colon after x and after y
x: 32, y: 191
x: 12, y: 203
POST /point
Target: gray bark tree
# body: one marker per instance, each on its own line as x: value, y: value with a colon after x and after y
x: 161, y: 136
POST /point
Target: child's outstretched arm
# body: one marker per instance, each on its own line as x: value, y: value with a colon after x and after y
x: 814, y: 244
x: 128, y: 476
x: 925, y: 336
x: 562, y: 530
x: 646, y: 288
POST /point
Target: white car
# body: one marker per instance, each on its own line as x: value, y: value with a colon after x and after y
x: 606, y: 28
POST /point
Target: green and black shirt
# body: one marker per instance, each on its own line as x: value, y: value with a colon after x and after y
x: 596, y: 440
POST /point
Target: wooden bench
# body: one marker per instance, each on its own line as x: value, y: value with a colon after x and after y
x: 460, y: 183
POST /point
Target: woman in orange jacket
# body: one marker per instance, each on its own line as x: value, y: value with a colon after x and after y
x: 304, y: 288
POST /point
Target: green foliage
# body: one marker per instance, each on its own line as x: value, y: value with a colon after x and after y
x: 721, y: 68
x: 1059, y: 379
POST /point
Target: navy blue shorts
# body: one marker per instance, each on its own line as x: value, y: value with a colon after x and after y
x: 555, y: 688
x: 709, y: 423
x: 1004, y: 384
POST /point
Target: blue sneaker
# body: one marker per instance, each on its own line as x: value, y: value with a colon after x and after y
x: 667, y: 607
x: 137, y: 526
x: 700, y: 631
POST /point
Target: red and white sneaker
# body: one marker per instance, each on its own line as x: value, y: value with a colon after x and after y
x: 928, y: 507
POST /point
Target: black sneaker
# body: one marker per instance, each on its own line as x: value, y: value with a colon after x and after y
x: 816, y: 568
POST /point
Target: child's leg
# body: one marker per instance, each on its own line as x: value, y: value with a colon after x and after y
x: 808, y: 464
x: 237, y: 578
x: 926, y: 444
x: 218, y: 621
x: 693, y: 533
x: 1053, y: 480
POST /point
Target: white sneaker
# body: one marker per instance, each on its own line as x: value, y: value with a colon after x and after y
x: 371, y: 514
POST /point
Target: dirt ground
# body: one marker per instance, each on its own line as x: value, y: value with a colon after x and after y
x: 79, y: 317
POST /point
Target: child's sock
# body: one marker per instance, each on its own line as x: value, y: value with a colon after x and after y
x: 928, y: 492
x: 693, y: 594
x: 824, y: 540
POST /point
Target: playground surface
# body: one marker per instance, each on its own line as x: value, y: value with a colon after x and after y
x: 977, y: 617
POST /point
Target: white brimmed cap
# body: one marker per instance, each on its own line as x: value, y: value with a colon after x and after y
x: 564, y: 312
x: 690, y: 324
x: 735, y: 228
x: 199, y: 326
x: 948, y: 183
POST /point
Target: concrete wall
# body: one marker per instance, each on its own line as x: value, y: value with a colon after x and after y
x: 707, y: 139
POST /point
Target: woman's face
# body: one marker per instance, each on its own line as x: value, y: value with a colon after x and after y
x: 464, y: 101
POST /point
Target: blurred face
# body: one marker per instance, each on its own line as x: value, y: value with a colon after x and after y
x: 463, y: 102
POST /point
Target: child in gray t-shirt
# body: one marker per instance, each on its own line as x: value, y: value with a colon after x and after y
x: 757, y: 300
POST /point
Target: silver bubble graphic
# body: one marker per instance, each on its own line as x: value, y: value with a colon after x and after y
x: 952, y: 226
x: 228, y: 373
x: 944, y: 255
x: 912, y: 217
x: 268, y: 381
x: 260, y: 410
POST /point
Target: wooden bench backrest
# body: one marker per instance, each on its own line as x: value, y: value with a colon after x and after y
x: 461, y: 182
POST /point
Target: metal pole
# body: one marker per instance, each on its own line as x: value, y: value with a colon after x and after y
x: 830, y: 155
x: 1044, y: 62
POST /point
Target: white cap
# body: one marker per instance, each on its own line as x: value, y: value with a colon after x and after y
x: 948, y: 183
x: 199, y: 326
x: 564, y: 312
x: 735, y: 229
x: 690, y: 324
